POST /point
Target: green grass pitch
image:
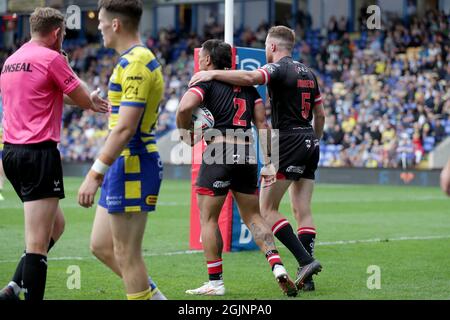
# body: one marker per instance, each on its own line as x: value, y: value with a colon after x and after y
x: 412, y: 225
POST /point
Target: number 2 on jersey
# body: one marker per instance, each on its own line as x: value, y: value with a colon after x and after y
x: 306, y: 106
x: 241, y: 106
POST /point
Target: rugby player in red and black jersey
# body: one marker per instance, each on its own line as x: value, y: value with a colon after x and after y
x: 229, y: 163
x: 299, y: 117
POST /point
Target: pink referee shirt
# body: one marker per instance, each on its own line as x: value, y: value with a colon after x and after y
x: 33, y: 82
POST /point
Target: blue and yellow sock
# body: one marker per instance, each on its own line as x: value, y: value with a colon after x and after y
x: 143, y: 295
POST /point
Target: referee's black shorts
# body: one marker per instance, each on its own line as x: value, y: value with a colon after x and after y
x: 34, y: 170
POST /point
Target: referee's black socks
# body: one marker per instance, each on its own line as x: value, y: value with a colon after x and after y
x: 17, y: 278
x: 34, y: 276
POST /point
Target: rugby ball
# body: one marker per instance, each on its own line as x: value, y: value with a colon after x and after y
x: 202, y: 119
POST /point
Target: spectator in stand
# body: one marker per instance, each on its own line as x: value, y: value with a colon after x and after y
x: 439, y: 131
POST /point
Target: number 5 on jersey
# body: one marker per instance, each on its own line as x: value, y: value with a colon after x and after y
x: 306, y: 106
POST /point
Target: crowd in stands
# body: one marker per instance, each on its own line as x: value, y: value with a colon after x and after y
x: 386, y: 92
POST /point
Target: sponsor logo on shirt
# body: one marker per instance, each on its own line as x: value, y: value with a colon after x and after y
x: 135, y: 78
x: 56, y: 188
x: 301, y: 69
x: 114, y: 201
x: 308, y: 143
x: 69, y: 80
x: 270, y: 68
x: 150, y: 200
x: 17, y: 67
x: 316, y: 142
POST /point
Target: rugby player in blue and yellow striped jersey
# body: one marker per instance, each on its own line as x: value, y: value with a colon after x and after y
x: 128, y: 168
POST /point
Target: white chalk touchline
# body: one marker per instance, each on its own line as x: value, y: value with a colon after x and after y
x: 72, y: 205
x: 330, y: 243
x: 334, y: 243
x: 75, y: 205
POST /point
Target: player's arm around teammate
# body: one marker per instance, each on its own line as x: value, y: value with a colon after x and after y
x: 216, y: 178
x: 246, y: 78
x: 237, y: 77
x: 294, y: 95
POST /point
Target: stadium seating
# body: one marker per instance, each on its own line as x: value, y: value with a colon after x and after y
x: 376, y: 84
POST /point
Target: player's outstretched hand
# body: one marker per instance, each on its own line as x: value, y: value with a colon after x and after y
x: 445, y: 179
x: 99, y: 104
x: 201, y: 76
x: 268, y: 175
x: 88, y: 189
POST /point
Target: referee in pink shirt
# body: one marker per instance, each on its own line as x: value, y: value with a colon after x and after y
x: 35, y: 82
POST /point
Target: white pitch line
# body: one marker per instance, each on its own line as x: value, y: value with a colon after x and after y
x: 330, y: 243
x: 368, y: 200
x: 344, y: 242
x: 93, y: 258
x: 75, y: 205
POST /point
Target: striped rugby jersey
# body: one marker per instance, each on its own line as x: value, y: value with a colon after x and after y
x: 137, y: 81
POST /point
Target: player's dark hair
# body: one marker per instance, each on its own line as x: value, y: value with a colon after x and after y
x: 220, y: 53
x: 128, y: 11
x: 285, y: 35
x: 45, y: 20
